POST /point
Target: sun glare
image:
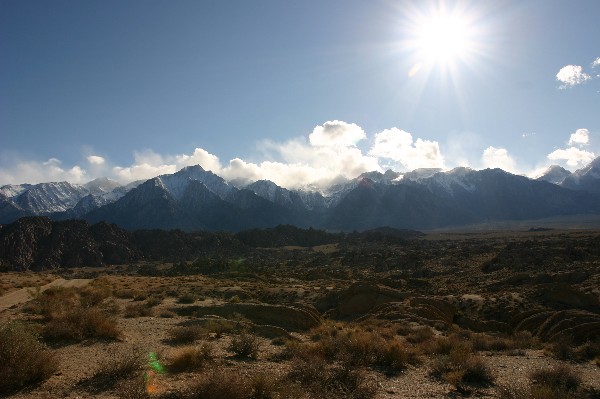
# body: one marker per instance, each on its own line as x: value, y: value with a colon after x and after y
x: 441, y: 37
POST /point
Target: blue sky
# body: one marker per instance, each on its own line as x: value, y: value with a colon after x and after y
x: 296, y: 92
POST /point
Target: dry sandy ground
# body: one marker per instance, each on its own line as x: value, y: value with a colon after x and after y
x: 26, y: 294
x: 145, y: 335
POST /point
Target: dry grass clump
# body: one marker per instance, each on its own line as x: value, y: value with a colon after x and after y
x: 461, y: 366
x: 80, y: 324
x: 138, y: 310
x: 186, y: 334
x: 559, y: 382
x: 419, y: 334
x: 186, y: 298
x: 191, y: 358
x: 356, y: 347
x: 220, y: 326
x: 245, y: 345
x: 23, y: 359
x: 75, y: 314
x: 331, y: 381
x: 564, y: 349
x: 224, y: 384
x: 121, y: 365
x: 561, y: 378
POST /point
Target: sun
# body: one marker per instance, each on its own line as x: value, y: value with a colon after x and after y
x: 442, y: 37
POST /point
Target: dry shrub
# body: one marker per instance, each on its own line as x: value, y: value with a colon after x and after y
x: 357, y: 347
x: 245, y: 345
x: 186, y: 334
x: 153, y: 301
x: 486, y: 342
x: 394, y: 356
x: 191, y: 358
x: 75, y: 313
x: 219, y: 385
x: 80, y: 324
x: 119, y: 366
x: 186, y: 298
x: 562, y: 349
x: 23, y: 359
x: 420, y: 334
x: 461, y: 366
x: 445, y: 345
x: 323, y: 381
x: 561, y: 378
x: 138, y: 310
x: 219, y: 326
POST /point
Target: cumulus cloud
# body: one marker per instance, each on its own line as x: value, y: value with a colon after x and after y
x: 571, y: 75
x: 572, y: 156
x: 398, y: 145
x: 498, y: 158
x: 580, y: 137
x: 328, y: 154
x: 337, y: 133
x: 596, y: 63
x: 96, y: 160
x: 41, y: 172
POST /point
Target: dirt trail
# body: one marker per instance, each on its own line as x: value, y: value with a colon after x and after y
x: 24, y: 294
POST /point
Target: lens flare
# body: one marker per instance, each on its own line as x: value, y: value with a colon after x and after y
x: 151, y: 376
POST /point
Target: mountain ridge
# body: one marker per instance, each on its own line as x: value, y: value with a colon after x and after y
x: 197, y: 199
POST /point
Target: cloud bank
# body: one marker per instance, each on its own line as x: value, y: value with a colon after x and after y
x: 330, y: 153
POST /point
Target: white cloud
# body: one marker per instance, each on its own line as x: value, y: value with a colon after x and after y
x: 398, y: 145
x: 200, y: 157
x: 498, y: 158
x: 573, y: 156
x: 580, y: 137
x: 336, y: 134
x: 596, y: 62
x: 41, y: 172
x: 96, y: 160
x: 571, y: 75
x: 328, y: 154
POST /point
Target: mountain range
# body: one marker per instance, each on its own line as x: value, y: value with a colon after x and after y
x: 197, y: 199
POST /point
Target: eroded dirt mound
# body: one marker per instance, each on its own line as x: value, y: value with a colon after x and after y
x: 358, y: 300
x: 578, y: 325
x: 287, y: 317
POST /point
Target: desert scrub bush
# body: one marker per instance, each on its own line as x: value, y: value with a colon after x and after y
x: 560, y: 379
x: 138, y: 310
x: 419, y: 334
x: 486, y: 342
x: 228, y: 384
x: 394, y: 356
x: 461, y: 366
x: 186, y: 298
x: 331, y: 381
x: 23, y: 359
x: 445, y: 345
x: 153, y: 301
x: 220, y: 326
x: 80, y: 324
x: 186, y: 334
x: 559, y: 382
x: 191, y: 358
x: 245, y: 345
x: 120, y: 365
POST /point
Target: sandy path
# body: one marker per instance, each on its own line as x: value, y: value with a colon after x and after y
x: 24, y: 294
